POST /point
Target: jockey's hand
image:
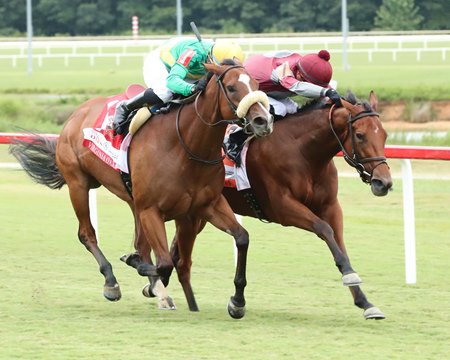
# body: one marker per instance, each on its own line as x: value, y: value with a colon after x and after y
x: 284, y: 71
x: 334, y: 96
x: 200, y: 85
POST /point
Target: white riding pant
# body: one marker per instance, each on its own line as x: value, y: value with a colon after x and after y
x: 283, y: 106
x: 155, y: 76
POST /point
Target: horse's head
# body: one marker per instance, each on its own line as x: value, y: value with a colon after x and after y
x: 363, y: 146
x: 238, y: 96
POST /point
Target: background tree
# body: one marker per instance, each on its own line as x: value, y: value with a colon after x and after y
x: 94, y: 18
x: 398, y: 15
x: 435, y: 14
x: 113, y: 17
x: 12, y: 18
x: 362, y: 14
x: 52, y: 17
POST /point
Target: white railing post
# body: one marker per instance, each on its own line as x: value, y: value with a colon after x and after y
x: 409, y: 222
x: 93, y: 210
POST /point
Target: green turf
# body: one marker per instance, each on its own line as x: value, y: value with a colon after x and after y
x: 52, y: 307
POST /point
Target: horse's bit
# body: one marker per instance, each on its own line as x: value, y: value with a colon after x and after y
x: 355, y: 161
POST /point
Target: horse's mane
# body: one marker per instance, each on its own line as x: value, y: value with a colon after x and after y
x: 316, y: 104
x: 313, y: 104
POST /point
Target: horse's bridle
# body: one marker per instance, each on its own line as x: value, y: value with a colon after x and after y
x: 243, y: 122
x: 355, y: 161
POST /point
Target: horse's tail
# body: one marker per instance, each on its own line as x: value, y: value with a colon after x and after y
x: 37, y: 156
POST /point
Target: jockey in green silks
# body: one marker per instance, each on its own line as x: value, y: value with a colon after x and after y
x: 175, y: 68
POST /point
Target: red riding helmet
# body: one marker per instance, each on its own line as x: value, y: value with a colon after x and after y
x: 315, y: 68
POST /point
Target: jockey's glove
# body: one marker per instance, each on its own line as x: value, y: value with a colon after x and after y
x: 334, y: 96
x: 200, y: 85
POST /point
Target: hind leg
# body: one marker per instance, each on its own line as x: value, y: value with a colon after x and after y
x: 135, y: 259
x: 79, y: 195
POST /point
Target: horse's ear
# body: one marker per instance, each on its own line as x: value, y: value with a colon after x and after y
x: 373, y: 100
x: 213, y: 68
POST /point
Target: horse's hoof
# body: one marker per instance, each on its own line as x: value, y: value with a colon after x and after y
x: 147, y: 291
x: 236, y: 312
x: 373, y: 313
x: 112, y: 293
x: 351, y: 279
x: 166, y: 304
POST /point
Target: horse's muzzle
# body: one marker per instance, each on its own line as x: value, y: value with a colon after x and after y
x: 262, y: 125
x: 380, y: 187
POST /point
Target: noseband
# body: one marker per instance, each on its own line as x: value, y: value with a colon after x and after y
x: 355, y: 161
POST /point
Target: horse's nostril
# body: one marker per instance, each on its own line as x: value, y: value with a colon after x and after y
x: 380, y: 187
x: 260, y: 121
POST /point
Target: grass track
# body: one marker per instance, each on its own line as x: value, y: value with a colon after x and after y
x: 52, y: 307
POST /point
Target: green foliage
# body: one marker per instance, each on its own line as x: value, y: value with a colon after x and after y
x: 398, y: 15
x: 44, y: 114
x: 109, y: 17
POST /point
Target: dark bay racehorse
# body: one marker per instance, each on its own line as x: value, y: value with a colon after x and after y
x: 295, y: 182
x: 176, y: 167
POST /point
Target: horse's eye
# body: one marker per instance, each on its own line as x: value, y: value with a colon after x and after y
x: 231, y: 88
x: 359, y: 136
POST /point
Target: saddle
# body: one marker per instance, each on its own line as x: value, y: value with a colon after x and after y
x: 139, y: 117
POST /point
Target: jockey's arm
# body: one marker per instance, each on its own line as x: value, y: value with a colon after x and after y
x: 175, y: 81
x: 304, y: 88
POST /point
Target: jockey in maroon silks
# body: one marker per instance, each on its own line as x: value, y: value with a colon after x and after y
x: 284, y: 74
x: 281, y: 75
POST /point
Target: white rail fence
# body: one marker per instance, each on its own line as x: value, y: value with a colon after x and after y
x: 417, y: 45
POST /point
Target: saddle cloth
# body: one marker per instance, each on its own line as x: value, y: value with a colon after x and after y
x: 111, y: 149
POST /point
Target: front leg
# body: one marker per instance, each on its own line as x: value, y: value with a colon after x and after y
x: 291, y: 212
x: 333, y: 215
x: 222, y: 217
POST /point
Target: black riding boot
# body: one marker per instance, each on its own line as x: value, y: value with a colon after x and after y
x: 234, y: 146
x: 125, y: 107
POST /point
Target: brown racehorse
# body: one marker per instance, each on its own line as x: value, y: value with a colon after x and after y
x: 177, y: 173
x: 295, y: 182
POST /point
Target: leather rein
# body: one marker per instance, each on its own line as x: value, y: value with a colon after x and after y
x: 354, y: 160
x: 243, y: 122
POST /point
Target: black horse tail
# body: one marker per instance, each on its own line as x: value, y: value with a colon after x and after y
x: 37, y: 156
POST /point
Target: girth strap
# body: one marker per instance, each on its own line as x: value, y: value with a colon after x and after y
x: 250, y: 198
